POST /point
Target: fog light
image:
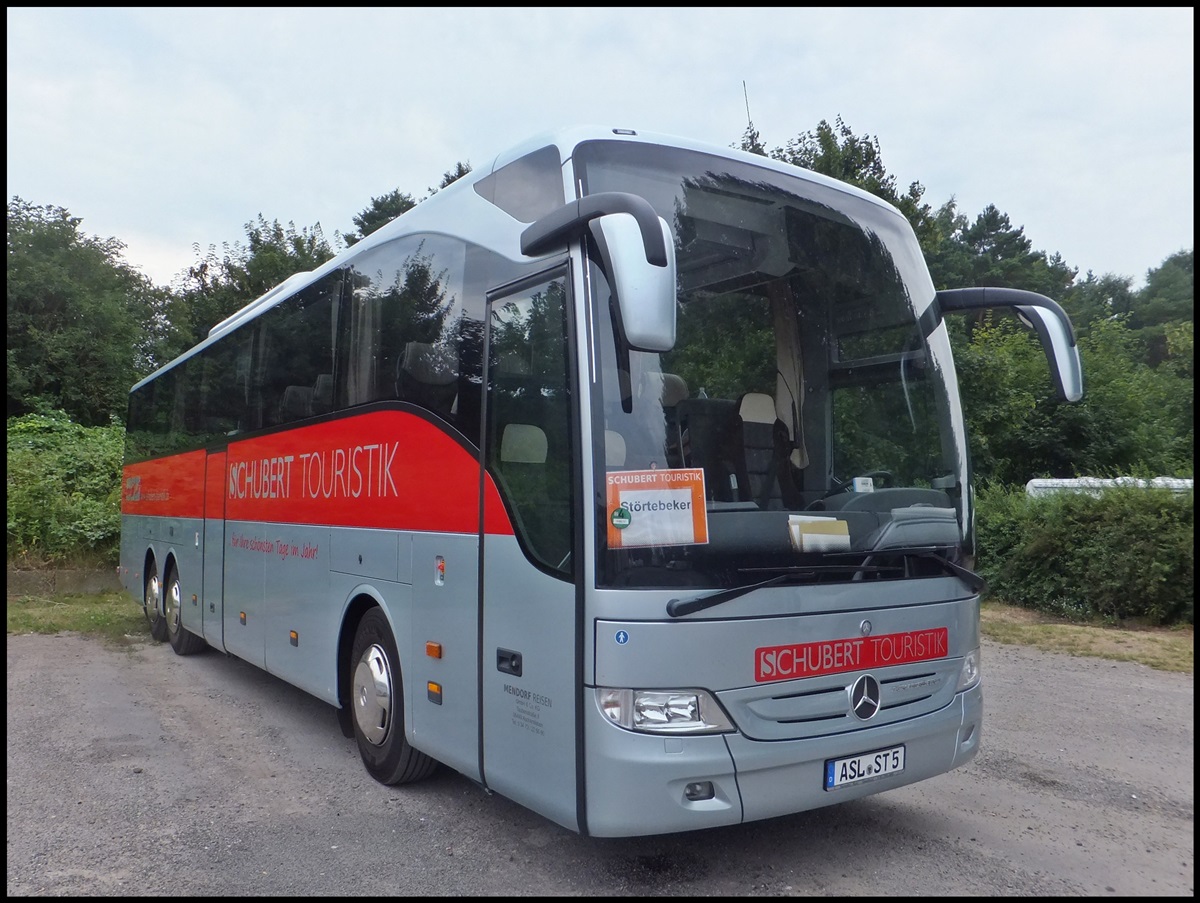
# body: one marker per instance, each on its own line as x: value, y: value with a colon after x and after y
x: 698, y: 790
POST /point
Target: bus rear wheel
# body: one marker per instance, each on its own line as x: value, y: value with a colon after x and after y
x: 152, y: 603
x: 377, y: 702
x: 182, y: 640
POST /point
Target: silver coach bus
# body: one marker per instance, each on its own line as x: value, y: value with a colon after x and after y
x: 626, y: 476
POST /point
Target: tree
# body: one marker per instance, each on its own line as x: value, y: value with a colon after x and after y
x: 834, y: 150
x: 992, y: 252
x: 385, y: 208
x: 1132, y: 420
x: 450, y: 176
x: 382, y: 210
x: 1098, y: 298
x: 1167, y: 299
x: 218, y: 285
x: 752, y: 141
x: 83, y: 325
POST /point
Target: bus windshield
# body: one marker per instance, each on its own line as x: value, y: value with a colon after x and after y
x: 802, y: 424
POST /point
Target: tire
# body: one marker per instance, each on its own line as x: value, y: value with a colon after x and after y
x: 152, y: 603
x: 377, y: 704
x: 182, y: 640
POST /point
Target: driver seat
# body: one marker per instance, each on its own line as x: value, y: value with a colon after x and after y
x: 763, y: 440
x: 765, y: 472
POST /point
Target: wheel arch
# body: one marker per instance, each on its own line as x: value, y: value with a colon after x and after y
x: 154, y: 617
x: 149, y: 560
x: 362, y: 600
x: 172, y: 561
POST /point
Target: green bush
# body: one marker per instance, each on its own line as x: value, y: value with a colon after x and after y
x: 64, y: 491
x: 1125, y: 554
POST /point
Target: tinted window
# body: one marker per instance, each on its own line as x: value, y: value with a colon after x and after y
x: 529, y: 417
x: 528, y: 188
x: 296, y: 348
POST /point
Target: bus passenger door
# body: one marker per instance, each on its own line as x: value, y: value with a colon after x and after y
x: 529, y: 682
x: 211, y: 596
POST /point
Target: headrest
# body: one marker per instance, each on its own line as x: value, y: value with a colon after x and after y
x: 296, y: 401
x: 614, y: 448
x: 674, y: 390
x: 757, y: 407
x: 428, y: 364
x: 523, y: 443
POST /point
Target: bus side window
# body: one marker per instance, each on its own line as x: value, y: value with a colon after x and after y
x: 296, y: 346
x: 322, y: 394
x: 426, y: 375
x: 529, y: 390
x: 295, y: 404
x: 403, y: 308
x: 543, y: 514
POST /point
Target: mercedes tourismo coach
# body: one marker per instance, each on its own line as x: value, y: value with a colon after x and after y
x: 626, y: 476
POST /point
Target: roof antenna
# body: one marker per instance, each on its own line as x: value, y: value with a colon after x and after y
x: 751, y: 141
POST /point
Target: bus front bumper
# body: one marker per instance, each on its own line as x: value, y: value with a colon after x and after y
x: 637, y: 784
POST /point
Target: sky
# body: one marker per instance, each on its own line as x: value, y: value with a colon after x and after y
x: 171, y: 129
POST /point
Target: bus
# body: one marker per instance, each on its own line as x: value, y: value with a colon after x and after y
x: 626, y: 476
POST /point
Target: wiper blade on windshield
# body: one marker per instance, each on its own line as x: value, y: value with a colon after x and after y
x: 677, y: 608
x: 974, y: 582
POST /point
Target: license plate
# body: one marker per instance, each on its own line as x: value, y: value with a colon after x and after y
x: 863, y: 767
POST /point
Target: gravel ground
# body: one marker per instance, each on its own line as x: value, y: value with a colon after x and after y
x: 137, y: 772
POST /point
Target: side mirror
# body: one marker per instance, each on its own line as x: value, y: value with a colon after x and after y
x: 1037, y: 312
x: 636, y: 250
x: 644, y: 293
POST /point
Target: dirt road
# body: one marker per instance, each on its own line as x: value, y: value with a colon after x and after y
x: 137, y: 772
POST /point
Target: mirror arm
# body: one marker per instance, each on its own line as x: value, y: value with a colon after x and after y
x: 561, y: 225
x: 960, y: 299
x: 1065, y: 365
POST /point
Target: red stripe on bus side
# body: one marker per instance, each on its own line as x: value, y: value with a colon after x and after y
x: 214, y: 486
x: 385, y: 469
x: 166, y: 487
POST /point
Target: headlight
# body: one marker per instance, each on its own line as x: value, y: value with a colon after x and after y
x: 968, y: 674
x: 663, y: 711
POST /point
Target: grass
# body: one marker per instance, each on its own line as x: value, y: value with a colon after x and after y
x: 111, y: 616
x: 117, y: 618
x: 1161, y: 648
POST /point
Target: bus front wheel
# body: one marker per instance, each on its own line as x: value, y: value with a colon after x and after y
x: 152, y: 603
x: 377, y: 701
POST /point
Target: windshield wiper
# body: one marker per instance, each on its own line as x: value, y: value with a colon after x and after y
x: 677, y: 608
x: 974, y: 582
